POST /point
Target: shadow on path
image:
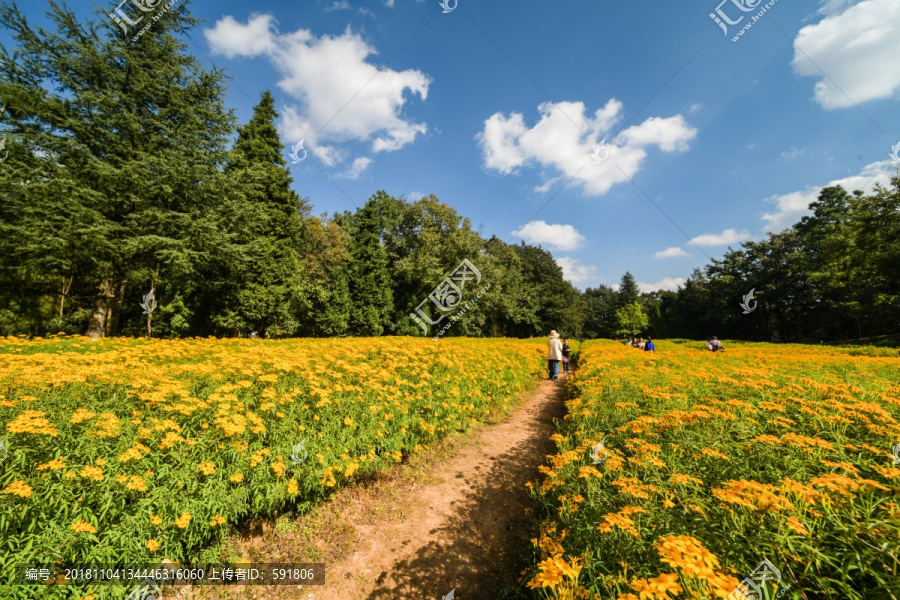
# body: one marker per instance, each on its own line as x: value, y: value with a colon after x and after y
x: 474, y: 550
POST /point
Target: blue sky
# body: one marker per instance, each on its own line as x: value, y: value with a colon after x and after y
x: 496, y: 107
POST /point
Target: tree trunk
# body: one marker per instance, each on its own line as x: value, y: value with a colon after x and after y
x: 99, y: 322
x: 65, y: 292
x: 112, y: 327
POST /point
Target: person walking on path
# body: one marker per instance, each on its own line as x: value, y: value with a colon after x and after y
x: 566, y: 351
x: 649, y: 347
x: 554, y: 355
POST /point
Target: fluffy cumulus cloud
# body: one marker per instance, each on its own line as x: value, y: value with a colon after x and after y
x: 559, y: 237
x: 357, y: 168
x: 672, y: 252
x: 669, y: 284
x: 856, y: 45
x: 729, y: 236
x: 574, y: 271
x: 340, y: 96
x: 791, y: 207
x: 562, y: 139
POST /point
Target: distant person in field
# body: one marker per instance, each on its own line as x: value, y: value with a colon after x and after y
x: 554, y: 355
x: 640, y: 344
x: 714, y: 344
x: 649, y: 347
x: 566, y: 351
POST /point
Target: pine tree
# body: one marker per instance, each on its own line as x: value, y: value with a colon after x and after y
x: 628, y: 290
x: 113, y: 184
x: 371, y: 298
x: 266, y: 287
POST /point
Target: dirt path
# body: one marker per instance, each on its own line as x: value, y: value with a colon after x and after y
x: 460, y: 526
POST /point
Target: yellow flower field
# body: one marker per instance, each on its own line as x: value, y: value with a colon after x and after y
x: 680, y: 471
x: 135, y: 451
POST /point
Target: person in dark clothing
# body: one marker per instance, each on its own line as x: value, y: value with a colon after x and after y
x: 566, y: 351
x: 649, y: 347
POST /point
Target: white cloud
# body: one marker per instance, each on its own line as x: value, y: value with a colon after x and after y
x: 574, y: 271
x: 555, y: 143
x: 324, y: 74
x: 416, y: 196
x: 669, y: 284
x: 856, y: 47
x: 389, y: 3
x: 695, y: 107
x: 792, y: 153
x: 231, y: 38
x: 356, y: 169
x: 338, y: 5
x: 791, y: 207
x: 832, y: 7
x: 560, y: 237
x: 729, y: 236
x: 672, y: 252
x: 545, y: 187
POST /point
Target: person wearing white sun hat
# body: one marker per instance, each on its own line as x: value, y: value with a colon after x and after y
x: 554, y: 354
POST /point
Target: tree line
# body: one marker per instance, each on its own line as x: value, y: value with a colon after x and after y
x: 126, y: 172
x: 834, y: 275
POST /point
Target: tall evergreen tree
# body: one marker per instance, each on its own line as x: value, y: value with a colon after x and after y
x: 371, y: 299
x: 628, y: 290
x: 266, y: 223
x: 113, y: 183
x: 601, y: 303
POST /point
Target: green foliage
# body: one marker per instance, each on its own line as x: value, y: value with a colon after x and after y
x: 267, y: 217
x: 113, y: 174
x: 371, y: 297
x: 833, y: 275
x: 628, y: 290
x: 600, y: 306
x: 631, y: 319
